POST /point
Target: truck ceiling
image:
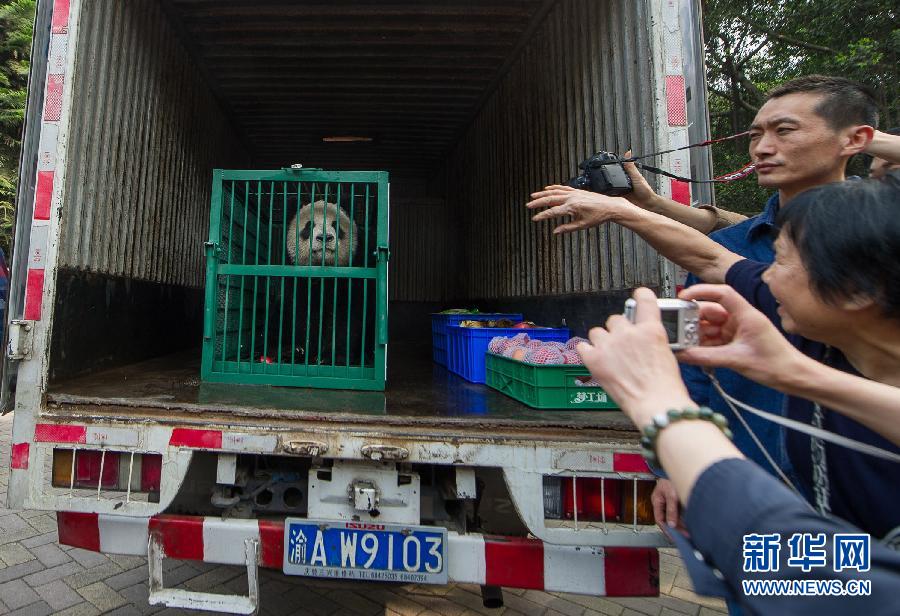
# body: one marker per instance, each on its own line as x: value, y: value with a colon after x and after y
x: 408, y: 75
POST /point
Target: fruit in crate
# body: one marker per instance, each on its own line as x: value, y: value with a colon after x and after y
x: 471, y: 323
x: 524, y: 325
x: 572, y: 357
x: 519, y: 353
x: 544, y: 355
x: 573, y: 342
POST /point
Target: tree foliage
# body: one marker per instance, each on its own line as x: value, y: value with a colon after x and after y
x: 753, y: 45
x: 16, y: 23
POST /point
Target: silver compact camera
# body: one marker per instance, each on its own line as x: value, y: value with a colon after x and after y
x: 680, y: 317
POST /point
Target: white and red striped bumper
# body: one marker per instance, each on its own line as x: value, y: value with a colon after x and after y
x: 512, y: 562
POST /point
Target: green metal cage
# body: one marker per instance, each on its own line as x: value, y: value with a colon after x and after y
x: 296, y: 279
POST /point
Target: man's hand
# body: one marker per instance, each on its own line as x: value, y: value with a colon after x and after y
x: 641, y: 195
x: 584, y: 209
x: 733, y: 334
x: 665, y: 506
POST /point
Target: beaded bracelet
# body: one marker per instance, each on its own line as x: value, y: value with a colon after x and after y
x: 651, y: 431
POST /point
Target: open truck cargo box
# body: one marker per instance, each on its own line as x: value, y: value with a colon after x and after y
x: 468, y: 105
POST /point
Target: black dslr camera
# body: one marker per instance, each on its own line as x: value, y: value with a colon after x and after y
x: 602, y: 173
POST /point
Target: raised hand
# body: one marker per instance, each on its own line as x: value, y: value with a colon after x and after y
x: 633, y: 363
x: 584, y: 209
x: 733, y: 334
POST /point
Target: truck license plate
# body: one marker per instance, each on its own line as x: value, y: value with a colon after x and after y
x: 365, y: 551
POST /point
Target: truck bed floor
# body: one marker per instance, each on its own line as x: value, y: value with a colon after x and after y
x: 419, y: 393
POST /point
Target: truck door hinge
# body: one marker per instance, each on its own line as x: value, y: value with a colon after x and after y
x: 21, y: 338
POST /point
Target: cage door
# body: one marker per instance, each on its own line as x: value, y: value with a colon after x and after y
x: 296, y: 286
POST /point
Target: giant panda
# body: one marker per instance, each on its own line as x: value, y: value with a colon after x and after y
x: 322, y: 233
x: 330, y: 229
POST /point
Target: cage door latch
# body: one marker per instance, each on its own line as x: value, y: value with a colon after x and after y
x: 21, y: 337
x: 383, y: 253
x: 213, y: 250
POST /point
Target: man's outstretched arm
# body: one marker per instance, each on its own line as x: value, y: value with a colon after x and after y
x: 681, y: 244
x: 705, y: 218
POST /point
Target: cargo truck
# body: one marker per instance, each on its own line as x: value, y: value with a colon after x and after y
x: 467, y: 107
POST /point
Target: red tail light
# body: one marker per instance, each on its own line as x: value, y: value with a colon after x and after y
x: 592, y: 500
x: 88, y: 469
x: 112, y: 470
x: 151, y: 470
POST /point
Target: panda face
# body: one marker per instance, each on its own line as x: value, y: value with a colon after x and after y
x: 322, y: 233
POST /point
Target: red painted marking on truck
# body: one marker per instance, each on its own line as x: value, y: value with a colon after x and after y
x: 79, y: 529
x: 200, y: 439
x: 681, y: 192
x: 53, y: 99
x: 60, y: 23
x: 43, y: 194
x: 271, y: 544
x: 34, y: 290
x: 632, y: 572
x: 181, y: 536
x: 54, y: 433
x: 515, y: 562
x: 676, y: 106
x: 19, y: 456
x: 630, y: 463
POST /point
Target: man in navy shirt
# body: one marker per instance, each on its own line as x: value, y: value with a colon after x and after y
x: 799, y: 134
x: 789, y: 165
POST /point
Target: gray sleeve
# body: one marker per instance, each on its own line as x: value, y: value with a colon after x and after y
x: 734, y: 498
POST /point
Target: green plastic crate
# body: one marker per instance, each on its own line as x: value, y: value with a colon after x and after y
x: 545, y: 387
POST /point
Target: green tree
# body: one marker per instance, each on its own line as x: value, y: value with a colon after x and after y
x: 16, y: 24
x: 753, y: 45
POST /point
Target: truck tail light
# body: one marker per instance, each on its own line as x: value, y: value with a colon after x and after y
x: 151, y: 471
x: 595, y: 499
x: 107, y: 470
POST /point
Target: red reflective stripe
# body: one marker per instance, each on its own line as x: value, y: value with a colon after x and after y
x: 271, y: 548
x: 43, y: 194
x: 631, y: 572
x: 54, y: 97
x: 60, y: 24
x: 181, y: 535
x: 681, y: 192
x: 676, y: 106
x: 514, y: 562
x: 630, y: 463
x: 34, y: 291
x: 53, y: 433
x: 19, y: 456
x: 202, y: 439
x: 78, y: 529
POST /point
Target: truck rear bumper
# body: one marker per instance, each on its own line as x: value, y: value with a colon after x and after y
x: 513, y: 562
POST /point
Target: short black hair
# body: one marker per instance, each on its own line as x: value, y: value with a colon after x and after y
x: 848, y: 237
x: 844, y: 102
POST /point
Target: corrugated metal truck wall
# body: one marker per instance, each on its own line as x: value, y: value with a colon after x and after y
x: 146, y: 134
x: 583, y: 83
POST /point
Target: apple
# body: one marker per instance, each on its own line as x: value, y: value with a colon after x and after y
x: 524, y: 325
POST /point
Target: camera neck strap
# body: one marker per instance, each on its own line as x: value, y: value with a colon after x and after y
x: 740, y: 174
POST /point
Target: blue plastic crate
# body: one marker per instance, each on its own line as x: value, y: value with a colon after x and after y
x: 440, y: 321
x: 466, y: 346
